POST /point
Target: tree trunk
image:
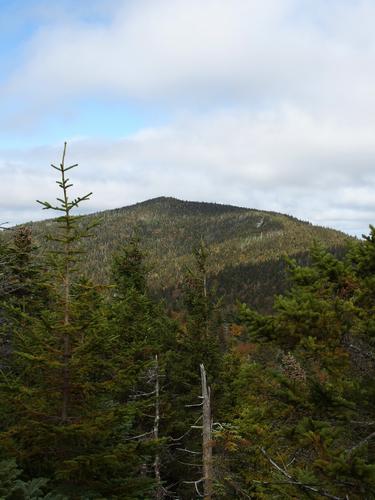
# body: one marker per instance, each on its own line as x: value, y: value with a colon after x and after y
x: 207, y: 437
x: 159, y: 490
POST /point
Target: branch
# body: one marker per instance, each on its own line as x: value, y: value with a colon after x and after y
x: 190, y: 465
x: 236, y: 487
x: 189, y: 451
x: 139, y: 436
x: 187, y: 432
x: 196, y: 485
x: 363, y: 423
x: 293, y: 481
x: 142, y: 394
x: 361, y: 443
x: 366, y: 354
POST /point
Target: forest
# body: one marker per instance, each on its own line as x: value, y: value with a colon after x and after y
x: 246, y: 245
x: 108, y: 391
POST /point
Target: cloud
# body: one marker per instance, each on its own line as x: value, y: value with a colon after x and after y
x: 290, y: 162
x: 192, y: 52
x: 270, y: 104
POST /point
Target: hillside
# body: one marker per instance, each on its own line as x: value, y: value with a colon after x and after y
x: 247, y: 246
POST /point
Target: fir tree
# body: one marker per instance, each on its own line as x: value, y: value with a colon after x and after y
x: 303, y: 413
x: 143, y: 333
x: 68, y: 418
x: 198, y: 344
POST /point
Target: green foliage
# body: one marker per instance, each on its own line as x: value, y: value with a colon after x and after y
x: 248, y: 246
x: 129, y: 269
x: 14, y: 488
x: 304, y: 393
x: 67, y: 407
x: 97, y: 382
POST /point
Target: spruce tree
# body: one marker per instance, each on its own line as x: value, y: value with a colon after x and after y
x: 68, y: 417
x: 302, y: 423
x: 145, y: 338
x: 198, y: 343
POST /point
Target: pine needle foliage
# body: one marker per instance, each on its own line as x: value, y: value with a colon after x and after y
x: 302, y: 416
x: 68, y: 236
x: 99, y: 387
x: 66, y: 415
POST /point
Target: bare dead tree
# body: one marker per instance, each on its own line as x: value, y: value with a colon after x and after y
x: 152, y: 378
x: 206, y: 437
x: 207, y: 464
x: 159, y: 489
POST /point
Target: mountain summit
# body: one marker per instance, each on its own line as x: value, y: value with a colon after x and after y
x: 247, y: 246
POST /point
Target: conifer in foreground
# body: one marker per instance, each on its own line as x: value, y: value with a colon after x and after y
x: 67, y: 419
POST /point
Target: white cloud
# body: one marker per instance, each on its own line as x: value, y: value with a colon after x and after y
x: 291, y: 163
x: 200, y: 51
x: 297, y: 78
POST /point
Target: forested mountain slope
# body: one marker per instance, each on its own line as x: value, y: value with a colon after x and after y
x: 103, y: 395
x: 247, y: 246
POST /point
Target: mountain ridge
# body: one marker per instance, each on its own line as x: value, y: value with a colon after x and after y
x: 247, y: 246
x: 178, y: 201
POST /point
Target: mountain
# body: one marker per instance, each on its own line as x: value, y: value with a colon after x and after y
x: 247, y: 246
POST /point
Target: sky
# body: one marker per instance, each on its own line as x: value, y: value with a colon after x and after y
x: 267, y: 104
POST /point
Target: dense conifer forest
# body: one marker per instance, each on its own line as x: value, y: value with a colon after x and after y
x: 109, y: 392
x: 246, y: 246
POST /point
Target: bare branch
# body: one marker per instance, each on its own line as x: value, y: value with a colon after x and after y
x: 196, y: 485
x: 145, y: 434
x: 363, y: 423
x: 294, y: 482
x: 142, y: 394
x: 187, y: 432
x: 189, y: 451
x: 361, y: 443
x: 189, y: 464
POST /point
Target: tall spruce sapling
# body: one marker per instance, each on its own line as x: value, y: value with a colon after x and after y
x: 69, y: 235
x: 203, y: 322
x: 144, y: 337
x: 38, y: 305
x: 42, y: 310
x: 70, y: 414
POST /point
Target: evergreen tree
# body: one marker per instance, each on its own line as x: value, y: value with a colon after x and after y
x: 143, y: 333
x: 201, y: 340
x: 66, y: 417
x: 100, y: 391
x: 23, y: 292
x: 198, y: 343
x: 302, y: 422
